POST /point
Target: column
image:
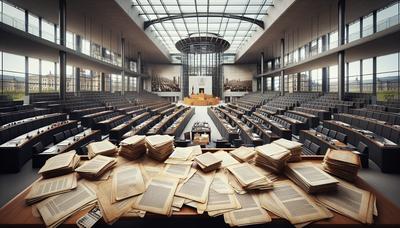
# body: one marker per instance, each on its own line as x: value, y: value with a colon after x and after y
x: 282, y: 78
x: 262, y: 71
x: 78, y: 43
x: 77, y: 81
x: 91, y: 80
x: 103, y: 82
x: 374, y: 76
x: 63, y: 54
x: 324, y: 80
x: 272, y: 83
x: 128, y: 83
x: 40, y: 27
x: 26, y: 76
x: 40, y: 75
x: 298, y: 83
x: 341, y: 54
x: 26, y: 21
x: 123, y: 66
x: 139, y: 71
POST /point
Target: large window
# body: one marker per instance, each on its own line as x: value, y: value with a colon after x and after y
x: 269, y: 84
x: 353, y: 31
x: 13, y: 16
x: 13, y: 70
x: 367, y: 74
x: 286, y: 85
x: 354, y: 76
x: 387, y: 77
x: 277, y: 82
x: 304, y: 81
x: 368, y: 25
x: 316, y: 80
x: 333, y: 79
x: 33, y: 27
x: 387, y: 17
x: 34, y: 72
x: 48, y: 76
x: 333, y: 40
x: 116, y: 82
x: 48, y: 31
x: 86, y: 80
x: 70, y: 79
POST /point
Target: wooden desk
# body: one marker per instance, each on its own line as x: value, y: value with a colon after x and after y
x: 323, y: 141
x: 275, y: 127
x: 87, y: 120
x: 117, y: 132
x: 16, y: 213
x: 386, y: 156
x: 19, y: 150
x: 179, y: 125
x: 226, y: 130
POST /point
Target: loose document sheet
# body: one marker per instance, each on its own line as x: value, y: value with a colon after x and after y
x: 177, y: 170
x: 250, y: 213
x: 158, y: 196
x: 127, y: 181
x: 350, y: 201
x: 56, y: 209
x: 48, y: 187
x: 289, y: 201
x: 196, y: 186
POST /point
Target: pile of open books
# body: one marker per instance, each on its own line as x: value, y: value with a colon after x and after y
x: 208, y: 162
x: 294, y: 148
x: 96, y: 167
x: 60, y: 164
x: 103, y: 147
x: 272, y: 156
x: 245, y: 176
x: 342, y: 163
x: 160, y: 146
x: 310, y: 178
x: 133, y: 147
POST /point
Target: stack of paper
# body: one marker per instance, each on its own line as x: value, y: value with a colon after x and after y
x: 250, y: 213
x: 56, y: 209
x: 60, y: 164
x: 160, y: 146
x: 272, y: 156
x: 208, y: 162
x: 103, y: 147
x: 351, y: 201
x: 49, y: 187
x: 133, y: 147
x: 310, y: 178
x: 96, y: 167
x: 342, y: 163
x: 248, y: 178
x: 288, y: 201
x: 243, y: 154
x: 158, y: 196
x: 295, y: 148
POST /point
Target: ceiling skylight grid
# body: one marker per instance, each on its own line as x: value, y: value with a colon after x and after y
x: 205, y: 18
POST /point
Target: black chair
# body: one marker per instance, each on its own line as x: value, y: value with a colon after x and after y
x: 58, y: 137
x: 364, y: 154
x: 307, y: 143
x: 74, y: 131
x: 37, y: 148
x: 67, y: 134
x: 314, y: 148
x: 80, y: 129
x: 386, y: 131
x: 187, y: 135
x: 325, y: 131
x: 332, y: 134
x: 341, y: 137
x: 237, y: 143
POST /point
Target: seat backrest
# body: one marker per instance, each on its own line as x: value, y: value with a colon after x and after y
x: 314, y: 148
x: 332, y: 134
x: 325, y: 131
x: 67, y: 134
x: 362, y: 148
x: 307, y: 143
x: 187, y: 135
x: 80, y: 129
x: 319, y: 128
x: 37, y: 148
x: 58, y: 137
x: 74, y: 131
x: 341, y: 137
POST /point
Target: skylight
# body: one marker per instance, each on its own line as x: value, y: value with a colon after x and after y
x: 235, y: 31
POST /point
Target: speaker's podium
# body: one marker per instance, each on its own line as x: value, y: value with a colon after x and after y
x: 201, y: 99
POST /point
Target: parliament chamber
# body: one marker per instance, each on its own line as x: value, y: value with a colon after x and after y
x: 168, y: 113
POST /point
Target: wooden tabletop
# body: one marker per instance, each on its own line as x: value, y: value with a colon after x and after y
x: 16, y: 212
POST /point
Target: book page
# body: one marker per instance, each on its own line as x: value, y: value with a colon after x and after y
x: 311, y: 174
x: 349, y: 200
x: 127, y: 182
x: 94, y: 165
x: 245, y: 173
x: 226, y: 158
x: 59, y: 207
x: 295, y: 204
x: 59, y: 161
x: 158, y: 196
x: 180, y: 171
x: 196, y: 187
